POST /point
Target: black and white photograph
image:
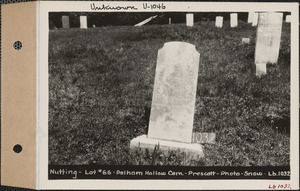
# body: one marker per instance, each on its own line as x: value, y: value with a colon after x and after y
x: 169, y: 94
x: 137, y: 95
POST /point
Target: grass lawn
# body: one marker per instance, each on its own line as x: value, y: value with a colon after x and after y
x: 101, y: 83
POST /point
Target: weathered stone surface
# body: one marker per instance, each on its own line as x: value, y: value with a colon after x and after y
x: 65, y: 22
x: 219, y: 21
x: 192, y: 151
x: 233, y: 20
x: 261, y: 69
x: 250, y: 17
x: 173, y: 103
x: 83, y: 22
x: 189, y: 20
x: 255, y: 19
x: 268, y: 38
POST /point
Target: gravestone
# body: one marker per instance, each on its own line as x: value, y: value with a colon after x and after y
x: 250, y: 17
x: 170, y: 21
x: 268, y: 38
x: 219, y: 22
x: 145, y: 21
x: 65, y: 22
x: 83, y: 22
x: 173, y: 102
x: 233, y: 20
x: 288, y: 19
x: 189, y: 20
x: 261, y: 69
x: 245, y: 40
x: 94, y: 26
x: 255, y: 19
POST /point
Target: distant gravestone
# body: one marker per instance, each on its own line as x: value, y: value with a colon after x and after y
x: 261, y: 69
x: 255, y: 19
x: 94, y: 26
x: 189, y: 20
x: 233, y: 20
x: 145, y: 21
x: 268, y: 38
x: 288, y: 19
x: 173, y: 102
x: 65, y: 22
x: 250, y: 17
x: 219, y: 22
x: 83, y: 22
x: 245, y: 40
x: 170, y: 21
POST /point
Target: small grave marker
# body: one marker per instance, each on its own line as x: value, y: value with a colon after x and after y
x: 94, y: 26
x: 173, y: 102
x: 83, y: 22
x: 65, y: 22
x: 233, y: 20
x: 219, y: 21
x: 250, y: 17
x: 245, y: 40
x: 268, y: 38
x: 189, y: 20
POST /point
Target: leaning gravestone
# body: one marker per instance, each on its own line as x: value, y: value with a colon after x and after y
x: 219, y: 22
x: 65, y: 22
x: 145, y: 21
x: 250, y: 17
x: 255, y: 19
x: 189, y: 20
x: 173, y: 102
x: 83, y: 22
x: 233, y: 20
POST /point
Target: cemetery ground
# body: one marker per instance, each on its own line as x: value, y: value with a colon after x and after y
x: 101, y: 83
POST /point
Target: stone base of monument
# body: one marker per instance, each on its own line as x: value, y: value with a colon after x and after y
x: 191, y: 150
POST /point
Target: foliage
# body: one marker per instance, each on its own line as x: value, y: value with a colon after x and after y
x: 100, y: 91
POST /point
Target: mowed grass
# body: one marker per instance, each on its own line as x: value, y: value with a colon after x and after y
x: 101, y: 83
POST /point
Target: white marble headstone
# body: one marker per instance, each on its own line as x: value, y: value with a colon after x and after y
x: 65, y: 22
x: 261, y: 69
x: 250, y: 17
x: 219, y: 21
x: 268, y: 37
x: 190, y: 20
x: 83, y: 22
x: 233, y: 20
x: 288, y: 19
x: 173, y: 102
x: 255, y: 19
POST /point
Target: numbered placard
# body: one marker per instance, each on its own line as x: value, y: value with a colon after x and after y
x: 209, y: 138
